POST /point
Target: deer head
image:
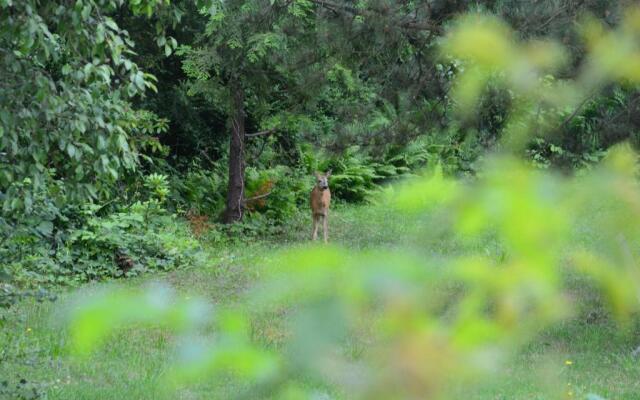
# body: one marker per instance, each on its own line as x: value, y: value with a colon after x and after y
x: 322, y: 180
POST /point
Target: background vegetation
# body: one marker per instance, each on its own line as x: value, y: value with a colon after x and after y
x: 149, y: 135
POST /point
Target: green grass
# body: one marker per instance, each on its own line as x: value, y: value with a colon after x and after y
x: 33, y: 338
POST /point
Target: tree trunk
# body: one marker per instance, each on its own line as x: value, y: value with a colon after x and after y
x: 235, y: 193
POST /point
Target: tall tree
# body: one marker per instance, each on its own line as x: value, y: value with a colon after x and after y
x: 244, y: 63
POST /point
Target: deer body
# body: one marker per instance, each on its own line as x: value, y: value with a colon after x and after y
x: 320, y: 202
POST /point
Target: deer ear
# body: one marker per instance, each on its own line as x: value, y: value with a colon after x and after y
x: 328, y: 174
x: 317, y: 174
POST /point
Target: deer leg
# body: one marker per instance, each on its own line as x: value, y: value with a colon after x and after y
x: 325, y: 226
x: 314, y: 234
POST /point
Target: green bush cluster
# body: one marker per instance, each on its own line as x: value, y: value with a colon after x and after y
x: 46, y: 245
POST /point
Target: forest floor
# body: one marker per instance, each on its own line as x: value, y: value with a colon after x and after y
x: 578, y: 357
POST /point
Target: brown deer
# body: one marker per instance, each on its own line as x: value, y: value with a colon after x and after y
x: 320, y: 201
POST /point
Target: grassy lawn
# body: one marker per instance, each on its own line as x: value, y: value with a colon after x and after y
x: 571, y: 360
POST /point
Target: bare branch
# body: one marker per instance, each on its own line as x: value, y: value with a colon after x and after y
x: 261, y: 133
x: 576, y: 111
x: 411, y: 23
x: 264, y: 143
x: 245, y: 201
x: 205, y: 155
x: 333, y: 6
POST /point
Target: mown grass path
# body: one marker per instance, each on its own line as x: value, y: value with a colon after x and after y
x: 585, y: 355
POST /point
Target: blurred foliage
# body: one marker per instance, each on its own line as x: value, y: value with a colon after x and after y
x: 408, y: 337
x: 379, y: 324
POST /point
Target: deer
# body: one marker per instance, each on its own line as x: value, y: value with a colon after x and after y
x: 320, y: 201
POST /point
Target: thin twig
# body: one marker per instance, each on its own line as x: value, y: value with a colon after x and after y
x: 261, y: 133
x: 245, y: 201
x: 548, y: 21
x: 204, y: 153
x: 575, y: 112
x: 369, y: 12
x: 264, y: 143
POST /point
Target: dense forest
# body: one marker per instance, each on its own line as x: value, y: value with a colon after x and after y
x: 141, y: 136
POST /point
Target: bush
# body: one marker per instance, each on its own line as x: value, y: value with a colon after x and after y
x: 276, y: 192
x: 354, y: 175
x: 47, y: 244
x: 136, y: 239
x: 199, y: 190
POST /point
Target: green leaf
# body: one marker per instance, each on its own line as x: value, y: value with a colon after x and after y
x: 122, y: 143
x: 71, y: 150
x: 5, y: 276
x: 111, y: 24
x: 86, y: 12
x: 138, y: 79
x: 100, y: 33
x: 45, y: 228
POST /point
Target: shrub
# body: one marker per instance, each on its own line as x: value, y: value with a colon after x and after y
x: 47, y: 244
x: 354, y: 175
x: 133, y: 240
x: 140, y: 238
x: 276, y: 192
x: 200, y: 190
